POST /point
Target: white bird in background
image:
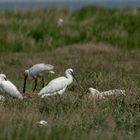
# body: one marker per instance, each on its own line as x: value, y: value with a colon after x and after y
x: 38, y: 70
x: 58, y: 85
x: 42, y: 123
x: 60, y: 22
x: 8, y: 88
x: 102, y: 95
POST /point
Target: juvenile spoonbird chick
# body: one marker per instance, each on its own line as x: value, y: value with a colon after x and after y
x: 58, y: 85
x: 37, y: 70
x: 113, y: 92
x: 102, y: 95
x: 42, y: 123
x: 95, y: 93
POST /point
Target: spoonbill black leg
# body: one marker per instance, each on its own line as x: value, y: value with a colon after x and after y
x: 43, y: 82
x: 35, y: 84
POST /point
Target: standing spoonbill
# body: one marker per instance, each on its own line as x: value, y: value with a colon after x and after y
x: 8, y: 88
x: 58, y: 85
x: 37, y: 70
x: 102, y: 95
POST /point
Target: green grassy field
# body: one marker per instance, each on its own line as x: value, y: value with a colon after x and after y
x: 102, y: 46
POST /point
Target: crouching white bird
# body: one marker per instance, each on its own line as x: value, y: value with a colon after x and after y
x: 42, y: 123
x: 58, y: 85
x: 37, y: 70
x: 102, y: 95
x: 8, y: 88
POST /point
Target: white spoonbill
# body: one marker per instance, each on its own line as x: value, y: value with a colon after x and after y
x: 58, y: 85
x: 8, y: 88
x: 42, y: 123
x: 37, y: 70
x: 102, y: 95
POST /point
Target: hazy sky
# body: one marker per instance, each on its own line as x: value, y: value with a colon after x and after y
x: 68, y: 0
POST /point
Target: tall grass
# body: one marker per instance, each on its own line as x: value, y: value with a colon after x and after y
x: 32, y: 36
x: 23, y: 30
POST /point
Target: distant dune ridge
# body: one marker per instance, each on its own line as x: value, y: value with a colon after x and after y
x: 70, y: 4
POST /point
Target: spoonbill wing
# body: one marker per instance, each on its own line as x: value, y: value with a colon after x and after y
x: 40, y: 68
x: 54, y: 86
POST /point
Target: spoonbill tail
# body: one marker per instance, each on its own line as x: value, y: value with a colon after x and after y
x: 102, y: 95
x: 58, y: 85
x: 37, y: 70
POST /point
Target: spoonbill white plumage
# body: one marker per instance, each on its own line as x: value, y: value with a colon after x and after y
x: 102, y: 95
x: 42, y: 123
x: 37, y: 70
x: 58, y: 85
x: 8, y: 88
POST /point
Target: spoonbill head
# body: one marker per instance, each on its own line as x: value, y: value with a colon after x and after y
x: 37, y: 70
x: 58, y: 85
x: 3, y: 77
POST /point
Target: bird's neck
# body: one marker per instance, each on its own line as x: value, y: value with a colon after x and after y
x: 69, y: 78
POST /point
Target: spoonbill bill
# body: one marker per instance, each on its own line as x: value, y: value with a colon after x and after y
x: 42, y: 123
x: 8, y: 88
x: 102, y: 95
x: 37, y: 70
x: 58, y: 85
